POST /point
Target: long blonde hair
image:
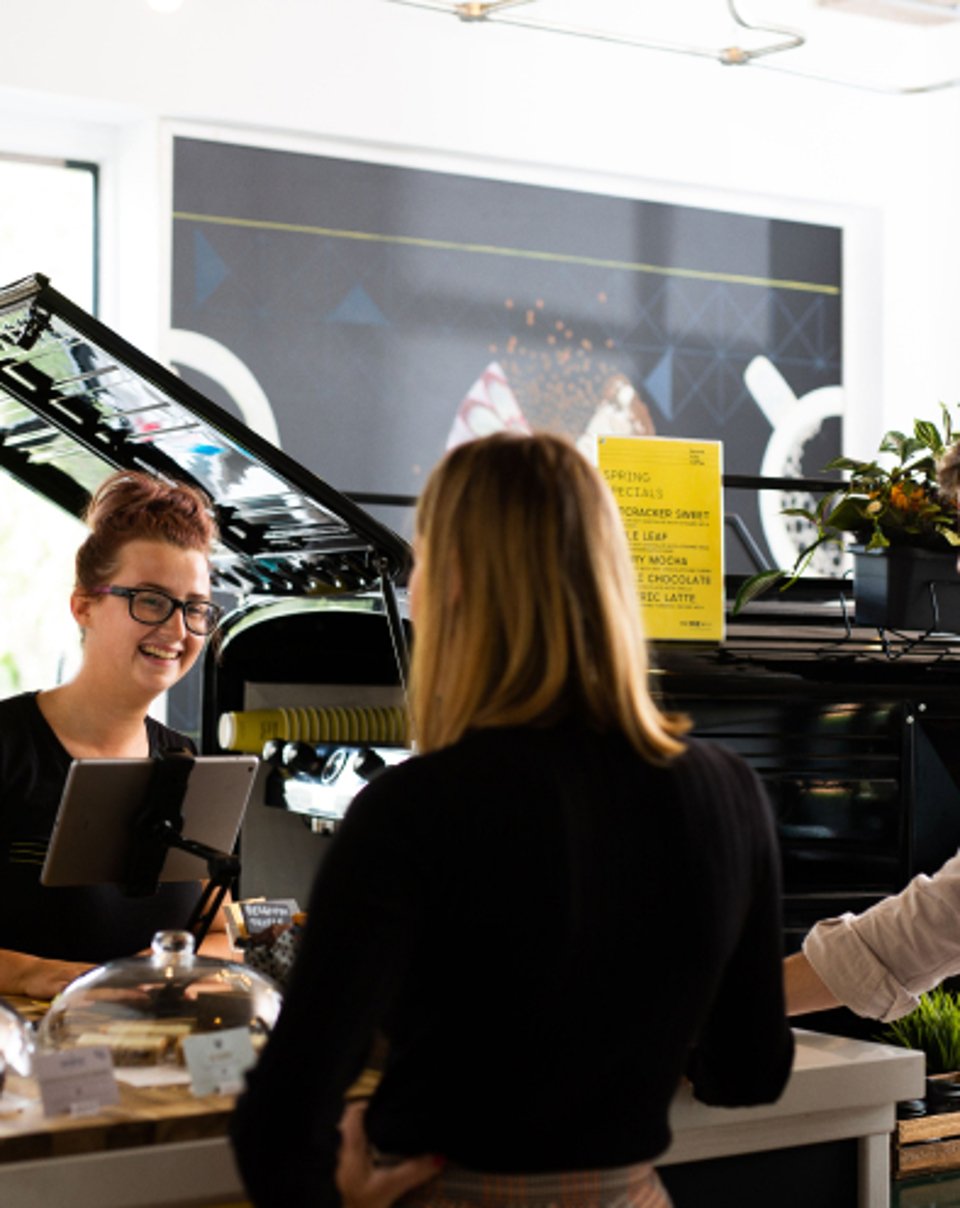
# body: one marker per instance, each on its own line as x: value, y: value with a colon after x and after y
x: 527, y: 601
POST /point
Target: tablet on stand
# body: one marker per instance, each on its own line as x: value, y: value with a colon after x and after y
x: 138, y: 822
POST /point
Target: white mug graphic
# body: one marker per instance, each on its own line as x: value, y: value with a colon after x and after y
x: 795, y: 421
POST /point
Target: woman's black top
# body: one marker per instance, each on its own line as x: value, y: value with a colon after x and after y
x: 551, y: 932
x: 92, y: 923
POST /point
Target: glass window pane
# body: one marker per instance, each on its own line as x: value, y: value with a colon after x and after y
x: 48, y: 224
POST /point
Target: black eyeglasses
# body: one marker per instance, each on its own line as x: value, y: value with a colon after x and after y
x: 150, y: 606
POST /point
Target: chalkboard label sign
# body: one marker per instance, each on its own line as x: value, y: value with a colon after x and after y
x: 258, y: 915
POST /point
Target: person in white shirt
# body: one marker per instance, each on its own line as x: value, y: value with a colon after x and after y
x: 879, y: 962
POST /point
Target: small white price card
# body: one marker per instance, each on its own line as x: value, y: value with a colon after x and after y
x: 217, y: 1060
x: 76, y: 1082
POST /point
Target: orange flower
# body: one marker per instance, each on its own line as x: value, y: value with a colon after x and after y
x: 907, y: 497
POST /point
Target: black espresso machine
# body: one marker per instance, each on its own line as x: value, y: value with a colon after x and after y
x: 309, y: 669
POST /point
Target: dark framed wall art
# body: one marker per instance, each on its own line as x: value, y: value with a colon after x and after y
x: 367, y: 315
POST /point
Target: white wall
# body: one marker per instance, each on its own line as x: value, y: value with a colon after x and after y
x: 378, y: 80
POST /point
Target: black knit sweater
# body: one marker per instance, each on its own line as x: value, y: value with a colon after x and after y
x: 551, y: 932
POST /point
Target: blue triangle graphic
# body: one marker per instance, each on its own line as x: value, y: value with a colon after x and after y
x: 659, y: 384
x: 358, y: 307
x: 209, y: 270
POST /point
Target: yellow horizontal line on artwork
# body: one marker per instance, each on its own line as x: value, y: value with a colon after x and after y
x: 483, y: 249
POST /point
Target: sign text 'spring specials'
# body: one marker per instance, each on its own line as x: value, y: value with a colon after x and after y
x: 670, y: 496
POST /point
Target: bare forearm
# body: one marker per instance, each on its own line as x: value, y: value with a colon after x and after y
x: 216, y: 944
x: 34, y: 976
x: 803, y: 989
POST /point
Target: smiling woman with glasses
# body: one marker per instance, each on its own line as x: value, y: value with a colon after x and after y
x: 142, y: 601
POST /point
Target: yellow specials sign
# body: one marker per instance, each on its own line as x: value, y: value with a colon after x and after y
x: 670, y: 496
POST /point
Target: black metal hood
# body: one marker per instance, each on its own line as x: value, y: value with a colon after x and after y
x: 78, y: 402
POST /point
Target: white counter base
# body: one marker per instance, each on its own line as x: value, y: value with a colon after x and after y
x: 184, y: 1173
x: 839, y: 1089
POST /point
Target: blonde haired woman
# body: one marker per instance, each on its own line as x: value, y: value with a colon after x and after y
x: 553, y: 912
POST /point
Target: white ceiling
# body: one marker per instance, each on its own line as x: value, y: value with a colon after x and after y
x: 883, y: 45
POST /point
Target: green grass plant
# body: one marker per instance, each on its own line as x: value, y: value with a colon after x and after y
x: 933, y: 1028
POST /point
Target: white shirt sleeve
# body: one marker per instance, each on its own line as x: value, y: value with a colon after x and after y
x: 879, y: 962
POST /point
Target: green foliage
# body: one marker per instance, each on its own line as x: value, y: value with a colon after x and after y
x: 933, y: 1028
x: 880, y: 506
x: 9, y: 675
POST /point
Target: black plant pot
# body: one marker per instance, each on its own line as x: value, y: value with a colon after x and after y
x: 943, y: 1093
x: 903, y: 588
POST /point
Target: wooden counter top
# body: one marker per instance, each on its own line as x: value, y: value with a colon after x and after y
x: 144, y: 1116
x: 159, y: 1146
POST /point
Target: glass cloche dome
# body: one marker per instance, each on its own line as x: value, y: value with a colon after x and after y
x: 141, y: 1008
x: 16, y: 1043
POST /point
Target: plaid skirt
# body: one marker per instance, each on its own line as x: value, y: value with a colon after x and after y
x: 619, y: 1187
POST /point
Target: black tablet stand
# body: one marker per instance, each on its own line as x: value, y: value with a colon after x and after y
x: 157, y: 827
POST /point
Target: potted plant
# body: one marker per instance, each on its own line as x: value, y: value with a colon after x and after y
x: 933, y: 1028
x: 899, y: 521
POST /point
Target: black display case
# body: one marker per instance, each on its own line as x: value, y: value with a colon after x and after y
x: 854, y: 732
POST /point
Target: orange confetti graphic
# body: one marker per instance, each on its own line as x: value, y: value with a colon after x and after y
x: 558, y: 381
